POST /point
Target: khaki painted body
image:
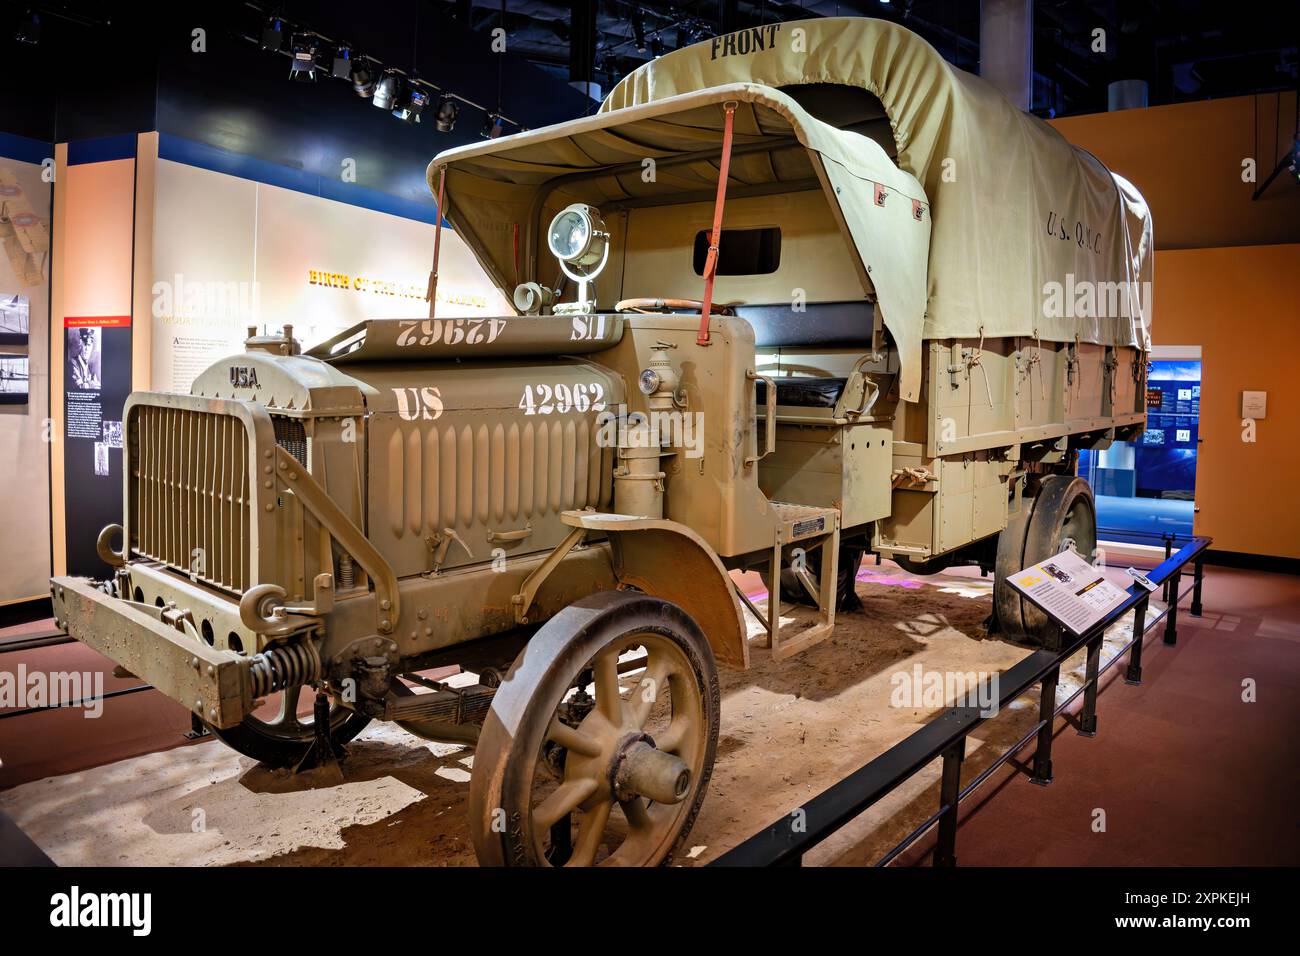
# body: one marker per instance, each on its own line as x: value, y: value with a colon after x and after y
x: 412, y: 490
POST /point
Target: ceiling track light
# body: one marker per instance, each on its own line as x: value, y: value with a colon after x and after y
x: 29, y: 28
x: 405, y: 97
x: 363, y: 79
x: 273, y: 35
x: 445, y: 119
x: 638, y: 29
x: 302, y: 63
x: 387, y: 90
x: 412, y: 104
x: 342, y: 66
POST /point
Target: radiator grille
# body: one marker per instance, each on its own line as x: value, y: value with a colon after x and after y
x: 291, y: 436
x: 190, y: 503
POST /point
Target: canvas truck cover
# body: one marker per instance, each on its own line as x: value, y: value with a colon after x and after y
x: 1006, y: 206
x: 500, y: 195
x: 1015, y: 206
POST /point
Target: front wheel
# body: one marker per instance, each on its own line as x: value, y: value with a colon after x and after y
x: 600, y: 742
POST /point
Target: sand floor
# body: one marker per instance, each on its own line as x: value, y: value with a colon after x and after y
x: 789, y: 730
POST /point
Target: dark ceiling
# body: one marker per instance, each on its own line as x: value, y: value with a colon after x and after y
x: 1185, y: 49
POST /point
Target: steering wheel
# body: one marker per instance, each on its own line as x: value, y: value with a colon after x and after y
x: 669, y: 305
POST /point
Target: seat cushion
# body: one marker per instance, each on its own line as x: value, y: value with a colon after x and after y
x: 804, y: 391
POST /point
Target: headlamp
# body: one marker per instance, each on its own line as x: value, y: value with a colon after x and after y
x: 577, y: 235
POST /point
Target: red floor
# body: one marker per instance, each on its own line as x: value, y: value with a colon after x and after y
x: 61, y: 741
x: 1185, y: 772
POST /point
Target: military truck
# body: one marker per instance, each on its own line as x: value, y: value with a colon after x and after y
x: 794, y: 295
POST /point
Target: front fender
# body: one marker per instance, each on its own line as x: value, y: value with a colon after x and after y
x: 670, y: 561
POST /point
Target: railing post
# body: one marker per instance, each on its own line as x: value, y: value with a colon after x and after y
x: 1171, y: 619
x: 1169, y: 550
x: 1046, y: 714
x: 945, y: 849
x: 1134, y: 673
x: 1088, y: 716
x: 1198, y: 573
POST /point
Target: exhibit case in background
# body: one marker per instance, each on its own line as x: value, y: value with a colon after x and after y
x: 1146, y: 489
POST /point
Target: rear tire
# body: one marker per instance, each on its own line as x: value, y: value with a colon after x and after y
x: 846, y: 576
x: 1063, y: 514
x: 933, y: 566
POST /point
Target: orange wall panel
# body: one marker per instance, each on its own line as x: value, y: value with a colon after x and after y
x: 1242, y: 306
x: 91, y: 275
x: 1187, y: 161
x: 100, y: 224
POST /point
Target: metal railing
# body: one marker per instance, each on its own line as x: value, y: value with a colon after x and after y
x: 785, y: 842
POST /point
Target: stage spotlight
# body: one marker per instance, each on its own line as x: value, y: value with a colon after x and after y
x: 363, y: 79
x: 493, y: 127
x: 273, y: 35
x: 412, y: 105
x: 302, y: 65
x: 342, y: 68
x: 387, y: 90
x: 29, y: 28
x: 445, y: 119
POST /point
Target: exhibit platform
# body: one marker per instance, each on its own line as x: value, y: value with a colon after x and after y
x: 1173, y: 761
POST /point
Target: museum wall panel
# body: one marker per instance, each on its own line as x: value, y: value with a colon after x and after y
x: 231, y: 252
x: 1187, y: 160
x: 25, y: 197
x: 90, y: 343
x: 1239, y: 304
x: 1224, y: 280
x: 160, y: 269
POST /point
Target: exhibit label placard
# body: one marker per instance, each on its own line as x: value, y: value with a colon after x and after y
x: 97, y: 381
x: 1071, y: 591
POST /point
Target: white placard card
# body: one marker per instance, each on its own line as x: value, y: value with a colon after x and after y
x: 1070, y: 590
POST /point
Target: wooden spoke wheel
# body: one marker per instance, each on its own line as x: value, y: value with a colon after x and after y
x: 280, y: 733
x: 600, y: 741
x: 1062, y: 515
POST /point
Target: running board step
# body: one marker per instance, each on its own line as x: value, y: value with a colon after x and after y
x: 810, y: 526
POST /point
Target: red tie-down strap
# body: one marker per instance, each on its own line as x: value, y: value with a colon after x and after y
x: 711, y: 263
x: 432, y: 295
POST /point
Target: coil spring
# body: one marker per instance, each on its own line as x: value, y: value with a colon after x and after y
x: 286, y: 666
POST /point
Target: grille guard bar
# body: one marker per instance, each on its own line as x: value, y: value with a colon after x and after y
x: 331, y: 517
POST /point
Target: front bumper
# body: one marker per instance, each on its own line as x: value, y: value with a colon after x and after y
x: 215, y: 685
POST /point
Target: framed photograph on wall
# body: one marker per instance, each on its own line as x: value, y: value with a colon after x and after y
x: 15, y: 316
x: 13, y: 379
